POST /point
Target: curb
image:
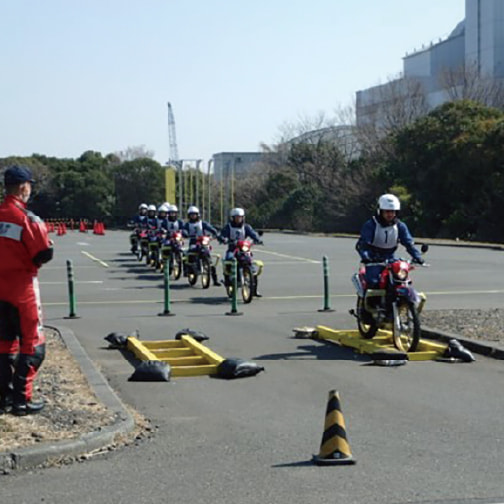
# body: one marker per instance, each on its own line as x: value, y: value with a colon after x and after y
x: 486, y: 348
x: 33, y: 456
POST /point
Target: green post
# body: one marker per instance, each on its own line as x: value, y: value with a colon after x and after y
x: 166, y: 275
x: 234, y: 280
x: 325, y: 263
x: 71, y: 290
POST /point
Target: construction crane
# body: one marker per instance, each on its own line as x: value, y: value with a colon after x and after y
x: 172, y: 137
x: 174, y: 159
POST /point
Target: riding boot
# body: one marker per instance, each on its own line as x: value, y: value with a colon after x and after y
x: 214, y: 276
x: 25, y: 372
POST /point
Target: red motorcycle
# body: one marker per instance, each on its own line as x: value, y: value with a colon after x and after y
x: 143, y: 244
x: 394, y: 305
x: 171, y: 253
x: 198, y: 262
x: 247, y: 271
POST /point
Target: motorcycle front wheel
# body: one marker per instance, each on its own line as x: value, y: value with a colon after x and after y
x: 176, y: 265
x: 247, y: 285
x: 368, y: 328
x: 406, y: 330
x: 205, y: 272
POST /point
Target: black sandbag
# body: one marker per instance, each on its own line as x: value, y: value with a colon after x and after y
x: 237, y: 368
x: 151, y: 371
x: 456, y: 350
x: 197, y: 335
x: 116, y: 340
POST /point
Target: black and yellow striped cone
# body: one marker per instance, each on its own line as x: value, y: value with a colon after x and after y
x: 334, y: 448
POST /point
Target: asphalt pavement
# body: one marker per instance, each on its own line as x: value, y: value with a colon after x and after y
x: 424, y: 432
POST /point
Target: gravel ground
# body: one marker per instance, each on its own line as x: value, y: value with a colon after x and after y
x: 485, y: 325
x: 71, y: 406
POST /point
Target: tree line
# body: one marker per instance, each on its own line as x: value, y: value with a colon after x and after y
x: 447, y: 167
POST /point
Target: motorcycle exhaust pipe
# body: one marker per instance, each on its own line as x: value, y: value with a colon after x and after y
x: 357, y: 285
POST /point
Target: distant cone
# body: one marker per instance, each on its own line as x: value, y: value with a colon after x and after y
x: 82, y: 227
x: 334, y: 448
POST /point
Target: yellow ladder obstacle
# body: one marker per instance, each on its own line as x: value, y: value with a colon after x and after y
x: 426, y: 350
x: 186, y: 356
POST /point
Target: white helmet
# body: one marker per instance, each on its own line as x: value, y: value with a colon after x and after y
x: 163, y: 208
x: 389, y: 202
x: 237, y: 212
x: 143, y: 206
x: 173, y: 208
x: 151, y: 208
x: 193, y: 209
x: 167, y: 203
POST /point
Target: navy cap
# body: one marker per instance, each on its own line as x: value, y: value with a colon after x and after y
x: 17, y: 175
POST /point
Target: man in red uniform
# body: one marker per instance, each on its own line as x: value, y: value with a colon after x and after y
x: 24, y: 247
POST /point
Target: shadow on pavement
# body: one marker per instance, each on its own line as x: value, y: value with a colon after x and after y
x: 303, y: 463
x: 316, y: 351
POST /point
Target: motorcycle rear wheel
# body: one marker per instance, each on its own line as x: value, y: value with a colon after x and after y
x: 367, y: 331
x: 406, y: 330
x: 247, y: 287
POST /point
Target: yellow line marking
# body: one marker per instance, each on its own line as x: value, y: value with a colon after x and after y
x: 278, y: 298
x: 93, y: 258
x: 287, y: 256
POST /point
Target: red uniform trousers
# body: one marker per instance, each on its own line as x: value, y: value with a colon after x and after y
x: 22, y: 340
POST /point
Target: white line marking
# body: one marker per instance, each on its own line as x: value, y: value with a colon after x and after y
x: 76, y: 281
x: 93, y: 258
x: 287, y: 256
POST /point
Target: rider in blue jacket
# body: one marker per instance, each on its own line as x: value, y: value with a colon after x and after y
x: 380, y: 237
x: 195, y: 227
x: 236, y: 229
x: 140, y: 220
x: 174, y: 223
x: 151, y: 217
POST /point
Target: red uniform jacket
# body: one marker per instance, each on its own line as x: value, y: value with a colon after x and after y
x: 24, y: 242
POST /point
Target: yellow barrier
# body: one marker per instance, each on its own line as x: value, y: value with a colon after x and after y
x: 427, y: 349
x: 186, y: 356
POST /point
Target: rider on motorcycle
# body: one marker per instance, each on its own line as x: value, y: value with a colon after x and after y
x: 141, y: 218
x: 235, y: 230
x: 138, y: 222
x: 380, y: 237
x: 151, y: 217
x: 162, y: 217
x: 195, y: 227
x: 174, y: 223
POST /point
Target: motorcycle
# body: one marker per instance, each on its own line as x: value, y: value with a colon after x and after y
x: 395, y: 305
x: 171, y: 253
x: 154, y: 258
x: 134, y: 242
x: 143, y: 241
x: 198, y: 262
x: 247, y: 271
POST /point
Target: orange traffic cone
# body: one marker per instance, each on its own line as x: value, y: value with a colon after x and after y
x: 82, y: 227
x: 64, y: 228
x: 95, y: 229
x: 334, y: 448
x: 59, y: 232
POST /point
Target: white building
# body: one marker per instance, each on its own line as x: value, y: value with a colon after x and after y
x: 476, y: 44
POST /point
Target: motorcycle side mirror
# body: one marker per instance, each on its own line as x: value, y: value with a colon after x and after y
x: 424, y: 248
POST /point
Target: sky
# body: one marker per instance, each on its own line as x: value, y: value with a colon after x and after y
x: 79, y: 75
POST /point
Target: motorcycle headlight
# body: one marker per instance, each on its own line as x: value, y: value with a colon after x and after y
x: 401, y: 274
x: 245, y: 247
